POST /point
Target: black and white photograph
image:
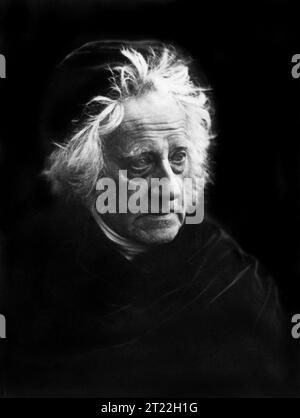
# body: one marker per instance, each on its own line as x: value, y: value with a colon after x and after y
x: 150, y: 202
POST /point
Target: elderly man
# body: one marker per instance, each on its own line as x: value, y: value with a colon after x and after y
x: 121, y: 288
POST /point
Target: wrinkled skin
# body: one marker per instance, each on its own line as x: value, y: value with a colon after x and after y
x: 152, y: 142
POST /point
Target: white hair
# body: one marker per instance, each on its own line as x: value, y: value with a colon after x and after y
x: 76, y: 165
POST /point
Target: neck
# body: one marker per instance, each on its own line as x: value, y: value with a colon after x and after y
x: 128, y: 248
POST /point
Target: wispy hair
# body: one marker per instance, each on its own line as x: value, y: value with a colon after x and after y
x: 76, y: 165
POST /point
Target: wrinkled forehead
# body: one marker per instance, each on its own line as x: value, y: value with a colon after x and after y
x: 152, y: 118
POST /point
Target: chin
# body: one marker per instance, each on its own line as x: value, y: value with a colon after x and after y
x: 156, y: 230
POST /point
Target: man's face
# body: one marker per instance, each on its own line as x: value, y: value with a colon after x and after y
x: 152, y: 142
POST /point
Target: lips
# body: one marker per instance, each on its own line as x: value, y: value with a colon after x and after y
x: 172, y: 211
x: 160, y: 217
x: 157, y: 215
x: 160, y: 213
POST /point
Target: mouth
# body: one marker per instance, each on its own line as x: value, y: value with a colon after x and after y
x: 162, y: 215
x: 159, y: 220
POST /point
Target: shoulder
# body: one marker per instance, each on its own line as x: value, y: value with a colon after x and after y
x: 46, y: 254
x: 233, y: 279
x: 240, y: 305
x: 48, y: 235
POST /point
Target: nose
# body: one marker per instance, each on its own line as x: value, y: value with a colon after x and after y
x: 169, y: 184
x: 173, y: 180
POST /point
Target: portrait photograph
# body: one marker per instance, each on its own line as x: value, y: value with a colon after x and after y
x: 150, y: 201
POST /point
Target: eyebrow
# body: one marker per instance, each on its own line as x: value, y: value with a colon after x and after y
x: 137, y: 150
x: 141, y: 141
x: 142, y: 136
x: 141, y: 149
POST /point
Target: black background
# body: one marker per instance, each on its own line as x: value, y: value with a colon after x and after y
x: 245, y: 50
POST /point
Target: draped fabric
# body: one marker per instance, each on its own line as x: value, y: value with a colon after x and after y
x: 195, y: 317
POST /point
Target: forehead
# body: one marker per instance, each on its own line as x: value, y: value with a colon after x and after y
x: 155, y: 107
x: 151, y: 118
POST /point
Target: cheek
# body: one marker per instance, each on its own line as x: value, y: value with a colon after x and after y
x: 122, y: 223
x: 195, y: 164
x: 193, y: 183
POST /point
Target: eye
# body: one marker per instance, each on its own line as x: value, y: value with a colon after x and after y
x: 178, y: 159
x: 141, y: 164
